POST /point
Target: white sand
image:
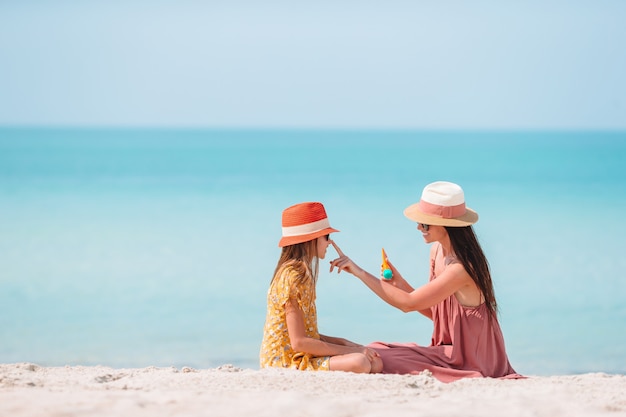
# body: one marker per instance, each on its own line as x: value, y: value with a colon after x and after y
x: 30, y: 390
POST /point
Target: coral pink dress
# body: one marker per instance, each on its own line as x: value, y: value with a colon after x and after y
x: 465, y: 344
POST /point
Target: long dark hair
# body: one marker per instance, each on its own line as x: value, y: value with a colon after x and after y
x: 302, y: 257
x: 468, y: 251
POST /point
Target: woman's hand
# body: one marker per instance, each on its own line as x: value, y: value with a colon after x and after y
x: 397, y: 279
x: 343, y: 263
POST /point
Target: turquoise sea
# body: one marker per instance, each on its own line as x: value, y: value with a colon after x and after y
x: 141, y: 247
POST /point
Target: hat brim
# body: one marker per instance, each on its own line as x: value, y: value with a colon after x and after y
x: 414, y: 213
x: 292, y: 240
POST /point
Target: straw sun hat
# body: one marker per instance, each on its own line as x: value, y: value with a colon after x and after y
x: 303, y: 222
x: 442, y: 204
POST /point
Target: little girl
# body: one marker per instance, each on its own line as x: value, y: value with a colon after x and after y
x: 290, y: 336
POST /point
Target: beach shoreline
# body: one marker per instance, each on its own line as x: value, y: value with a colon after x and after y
x: 28, y: 389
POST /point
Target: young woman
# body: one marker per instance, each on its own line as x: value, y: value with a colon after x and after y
x: 459, y: 297
x: 290, y: 336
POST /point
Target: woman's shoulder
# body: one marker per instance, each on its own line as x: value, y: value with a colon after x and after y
x: 452, y: 260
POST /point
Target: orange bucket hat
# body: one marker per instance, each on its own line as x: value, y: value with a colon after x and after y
x: 303, y: 222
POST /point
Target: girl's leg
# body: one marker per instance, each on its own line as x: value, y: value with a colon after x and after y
x: 352, y: 362
x: 377, y: 365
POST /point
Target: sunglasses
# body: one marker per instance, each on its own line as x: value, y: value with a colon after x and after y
x: 424, y: 226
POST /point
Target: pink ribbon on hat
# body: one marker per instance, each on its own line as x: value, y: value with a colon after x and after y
x: 446, y: 212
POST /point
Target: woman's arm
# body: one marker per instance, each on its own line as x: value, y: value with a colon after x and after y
x: 399, y: 281
x: 447, y: 283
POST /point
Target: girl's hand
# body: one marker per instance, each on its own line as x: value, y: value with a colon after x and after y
x: 370, y: 354
x: 343, y: 263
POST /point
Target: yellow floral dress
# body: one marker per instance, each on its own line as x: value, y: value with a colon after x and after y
x: 276, y: 349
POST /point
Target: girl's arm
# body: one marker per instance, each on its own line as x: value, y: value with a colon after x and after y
x: 300, y: 342
x: 338, y: 340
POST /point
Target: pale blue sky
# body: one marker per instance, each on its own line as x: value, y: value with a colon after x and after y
x: 326, y: 64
